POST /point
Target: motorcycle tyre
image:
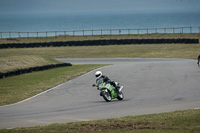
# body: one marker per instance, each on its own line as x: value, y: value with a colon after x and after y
x: 107, y: 99
x: 120, y: 96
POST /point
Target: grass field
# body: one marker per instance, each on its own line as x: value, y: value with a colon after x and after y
x: 189, y: 51
x: 174, y: 122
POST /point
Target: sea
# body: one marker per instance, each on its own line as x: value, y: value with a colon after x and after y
x: 93, y: 21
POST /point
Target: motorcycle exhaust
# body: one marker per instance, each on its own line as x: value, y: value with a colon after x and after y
x: 121, y: 88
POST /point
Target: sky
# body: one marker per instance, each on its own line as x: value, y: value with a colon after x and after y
x: 94, y: 6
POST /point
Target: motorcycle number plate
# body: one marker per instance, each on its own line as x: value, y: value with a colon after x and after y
x: 108, y: 86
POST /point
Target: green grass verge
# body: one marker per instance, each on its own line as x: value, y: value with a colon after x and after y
x: 174, y: 122
x: 16, y: 88
x: 189, y: 51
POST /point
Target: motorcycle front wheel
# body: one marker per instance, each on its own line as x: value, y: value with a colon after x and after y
x: 106, y: 96
x: 120, y: 96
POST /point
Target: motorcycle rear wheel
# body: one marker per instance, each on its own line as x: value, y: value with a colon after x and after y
x: 106, y: 96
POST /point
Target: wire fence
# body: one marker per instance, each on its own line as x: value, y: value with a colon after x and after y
x: 100, y: 32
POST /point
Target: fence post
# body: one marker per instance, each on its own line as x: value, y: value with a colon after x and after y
x: 190, y: 29
x: 199, y: 29
x: 138, y: 32
x: 1, y: 35
x: 55, y: 33
x: 19, y: 34
x: 9, y: 34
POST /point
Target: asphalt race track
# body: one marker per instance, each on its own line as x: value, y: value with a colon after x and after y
x: 150, y: 86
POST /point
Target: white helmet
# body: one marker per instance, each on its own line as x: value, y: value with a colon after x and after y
x: 98, y: 74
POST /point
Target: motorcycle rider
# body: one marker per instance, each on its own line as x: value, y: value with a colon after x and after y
x: 99, y: 75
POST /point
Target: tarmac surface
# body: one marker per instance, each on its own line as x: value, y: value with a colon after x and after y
x: 150, y: 86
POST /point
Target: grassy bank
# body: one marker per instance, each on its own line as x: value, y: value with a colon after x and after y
x: 189, y: 51
x: 10, y: 63
x: 17, y: 88
x: 174, y: 122
x: 100, y: 37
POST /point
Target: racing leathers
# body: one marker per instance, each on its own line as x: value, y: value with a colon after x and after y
x: 107, y: 80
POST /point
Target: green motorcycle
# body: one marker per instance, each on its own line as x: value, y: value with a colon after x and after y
x: 109, y: 92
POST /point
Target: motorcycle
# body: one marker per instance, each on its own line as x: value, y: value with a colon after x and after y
x: 109, y: 92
